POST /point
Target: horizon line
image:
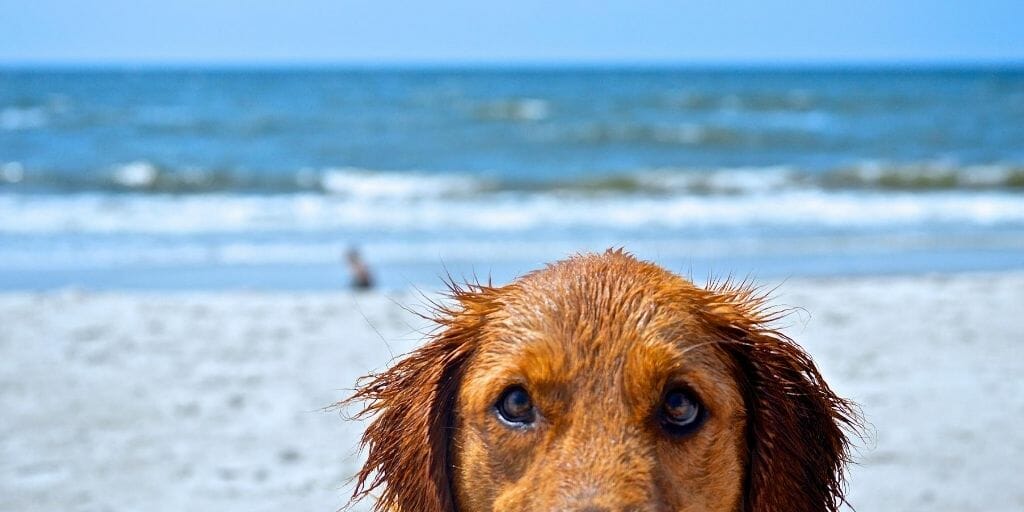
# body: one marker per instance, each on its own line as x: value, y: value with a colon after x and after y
x: 441, y: 64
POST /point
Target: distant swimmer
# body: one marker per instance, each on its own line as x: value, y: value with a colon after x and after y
x: 361, y: 277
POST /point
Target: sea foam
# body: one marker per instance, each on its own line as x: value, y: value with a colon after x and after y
x: 140, y: 213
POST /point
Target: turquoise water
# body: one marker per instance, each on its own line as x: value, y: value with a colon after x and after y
x: 261, y: 178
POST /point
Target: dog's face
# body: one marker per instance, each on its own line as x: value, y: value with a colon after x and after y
x: 604, y: 384
x: 598, y: 392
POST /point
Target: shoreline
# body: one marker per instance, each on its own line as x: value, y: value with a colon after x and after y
x: 429, y: 277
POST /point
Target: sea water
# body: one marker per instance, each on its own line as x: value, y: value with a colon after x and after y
x: 228, y: 178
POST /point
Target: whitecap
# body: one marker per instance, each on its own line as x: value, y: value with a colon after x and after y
x: 737, y: 180
x: 366, y: 184
x: 12, y: 172
x: 138, y: 174
x: 502, y: 213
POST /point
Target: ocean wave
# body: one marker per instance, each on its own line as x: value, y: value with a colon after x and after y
x: 866, y: 176
x: 12, y: 172
x: 140, y: 174
x: 33, y: 114
x: 519, y: 109
x: 924, y: 176
x: 706, y: 135
x: 143, y: 176
x: 363, y: 183
x: 23, y: 118
x: 684, y: 134
x: 785, y: 101
x: 792, y: 100
x: 177, y: 120
x: 308, y: 212
x: 672, y: 181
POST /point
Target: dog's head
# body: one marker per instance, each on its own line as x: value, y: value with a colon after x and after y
x: 603, y: 383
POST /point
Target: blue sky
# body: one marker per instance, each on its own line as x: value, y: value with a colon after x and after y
x: 465, y: 31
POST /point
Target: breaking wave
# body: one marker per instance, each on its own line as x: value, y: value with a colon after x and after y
x: 310, y: 212
x: 147, y: 177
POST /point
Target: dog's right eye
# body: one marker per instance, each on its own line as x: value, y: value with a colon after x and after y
x: 515, y: 407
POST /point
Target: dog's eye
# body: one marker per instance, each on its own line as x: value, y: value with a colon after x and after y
x: 681, y: 412
x: 515, y: 407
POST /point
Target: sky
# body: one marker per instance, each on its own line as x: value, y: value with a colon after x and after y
x: 518, y: 31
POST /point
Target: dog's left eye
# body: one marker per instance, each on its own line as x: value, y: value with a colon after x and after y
x: 516, y: 407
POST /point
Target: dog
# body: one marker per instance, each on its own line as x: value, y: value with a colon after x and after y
x: 602, y: 383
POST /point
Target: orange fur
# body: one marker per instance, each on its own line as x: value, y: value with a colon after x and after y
x: 596, y: 341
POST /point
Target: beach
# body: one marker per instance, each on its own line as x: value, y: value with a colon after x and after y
x: 173, y: 320
x: 215, y: 400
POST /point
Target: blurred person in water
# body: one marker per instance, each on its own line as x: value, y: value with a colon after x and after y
x: 361, y: 277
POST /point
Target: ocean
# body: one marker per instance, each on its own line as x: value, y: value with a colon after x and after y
x: 236, y: 178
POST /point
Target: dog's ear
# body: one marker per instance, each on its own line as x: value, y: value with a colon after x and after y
x: 797, y: 427
x: 411, y: 404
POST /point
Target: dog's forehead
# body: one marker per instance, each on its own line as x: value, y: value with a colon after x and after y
x: 610, y: 306
x: 606, y: 292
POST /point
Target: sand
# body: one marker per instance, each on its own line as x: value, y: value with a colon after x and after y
x: 213, y: 401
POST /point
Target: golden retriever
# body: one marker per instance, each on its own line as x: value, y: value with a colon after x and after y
x: 604, y: 384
